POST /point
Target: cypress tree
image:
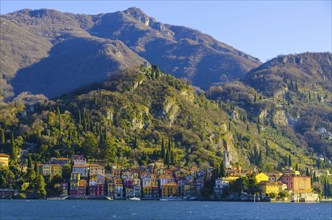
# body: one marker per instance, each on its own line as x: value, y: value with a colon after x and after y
x: 13, y: 148
x: 36, y: 168
x: 3, y: 139
x: 162, y: 149
x: 268, y: 149
x: 290, y: 161
x: 59, y: 118
x: 79, y: 117
x: 307, y: 172
x: 222, y: 170
x: 30, y: 173
x: 172, y: 154
x: 167, y: 158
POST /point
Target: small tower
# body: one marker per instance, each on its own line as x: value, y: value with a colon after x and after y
x: 227, y: 156
x: 227, y: 159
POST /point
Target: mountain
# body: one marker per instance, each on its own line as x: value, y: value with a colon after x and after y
x: 272, y: 78
x: 291, y: 93
x: 51, y: 52
x: 129, y: 117
x: 181, y: 51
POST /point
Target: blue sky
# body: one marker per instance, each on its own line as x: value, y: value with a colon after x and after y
x: 263, y: 29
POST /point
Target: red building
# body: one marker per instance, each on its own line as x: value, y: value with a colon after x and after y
x: 97, y: 190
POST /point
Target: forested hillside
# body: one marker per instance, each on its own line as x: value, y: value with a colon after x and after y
x: 134, y: 115
x: 291, y: 94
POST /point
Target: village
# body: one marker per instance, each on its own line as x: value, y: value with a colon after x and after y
x: 156, y: 181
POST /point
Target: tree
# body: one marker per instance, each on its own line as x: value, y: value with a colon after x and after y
x: 273, y: 195
x: 3, y: 139
x: 66, y: 171
x: 7, y: 178
x: 283, y: 194
x: 13, y: 152
x: 40, y: 186
x: 167, y: 160
x: 89, y: 145
x: 222, y: 172
x: 307, y: 173
x: 36, y: 168
x: 290, y: 161
x: 30, y: 175
x: 268, y: 150
x: 162, y: 152
x: 79, y: 117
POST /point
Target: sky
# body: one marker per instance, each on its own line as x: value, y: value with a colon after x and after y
x: 263, y: 29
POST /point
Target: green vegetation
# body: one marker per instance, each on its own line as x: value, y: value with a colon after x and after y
x: 138, y: 116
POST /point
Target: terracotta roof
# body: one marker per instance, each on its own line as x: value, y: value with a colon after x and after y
x: 4, y: 155
x: 80, y: 166
x: 165, y: 177
x: 170, y: 184
x: 62, y: 158
x: 95, y: 165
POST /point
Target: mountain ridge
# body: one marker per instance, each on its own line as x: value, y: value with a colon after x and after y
x: 149, y: 39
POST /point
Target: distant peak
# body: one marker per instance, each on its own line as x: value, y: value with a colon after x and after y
x: 133, y: 11
x: 138, y: 14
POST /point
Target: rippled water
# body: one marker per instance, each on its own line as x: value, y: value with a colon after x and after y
x: 94, y: 209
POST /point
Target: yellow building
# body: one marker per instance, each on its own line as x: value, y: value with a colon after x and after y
x: 147, y: 190
x: 261, y: 177
x: 56, y: 169
x: 136, y: 182
x: 4, y: 160
x: 270, y: 187
x: 169, y: 189
x: 154, y: 182
x: 74, y: 180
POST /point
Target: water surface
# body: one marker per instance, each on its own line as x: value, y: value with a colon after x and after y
x: 148, y: 210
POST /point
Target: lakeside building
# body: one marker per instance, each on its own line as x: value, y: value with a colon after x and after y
x: 297, y: 184
x: 4, y: 160
x: 272, y: 187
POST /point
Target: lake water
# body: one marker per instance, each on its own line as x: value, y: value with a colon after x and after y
x: 148, y: 210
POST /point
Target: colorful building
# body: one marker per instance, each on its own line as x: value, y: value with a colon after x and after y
x: 4, y: 160
x: 56, y: 169
x: 74, y: 183
x: 270, y: 187
x: 46, y: 169
x: 96, y: 169
x: 82, y: 185
x: 261, y: 177
x: 298, y: 184
x: 169, y: 189
x: 81, y: 169
x: 274, y: 176
x: 79, y: 160
x: 147, y: 191
x: 163, y: 179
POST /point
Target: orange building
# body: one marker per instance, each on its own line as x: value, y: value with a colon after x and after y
x: 298, y: 184
x: 169, y: 189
